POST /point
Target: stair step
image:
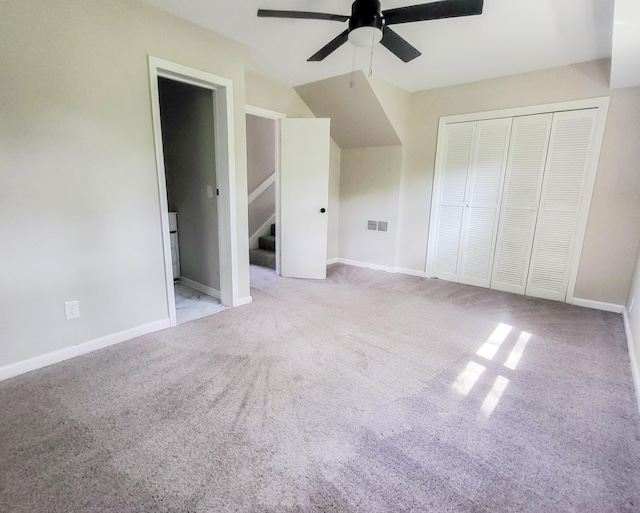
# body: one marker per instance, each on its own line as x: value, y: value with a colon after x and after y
x: 267, y: 242
x: 262, y: 258
x: 273, y: 229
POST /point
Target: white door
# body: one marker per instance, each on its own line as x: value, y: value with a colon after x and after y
x: 449, y: 200
x: 482, y: 201
x: 304, y: 194
x: 523, y: 182
x: 570, y: 148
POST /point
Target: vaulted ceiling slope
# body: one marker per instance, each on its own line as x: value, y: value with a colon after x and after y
x: 358, y: 119
x: 511, y: 36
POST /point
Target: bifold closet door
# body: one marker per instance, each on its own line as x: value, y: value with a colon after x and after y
x: 469, y: 187
x: 482, y: 201
x: 451, y: 187
x: 570, y: 148
x: 519, y: 211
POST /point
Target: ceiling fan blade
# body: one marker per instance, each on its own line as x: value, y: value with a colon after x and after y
x: 330, y: 48
x: 398, y: 46
x: 301, y: 15
x: 433, y: 11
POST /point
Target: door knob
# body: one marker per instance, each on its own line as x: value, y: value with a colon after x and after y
x: 323, y: 210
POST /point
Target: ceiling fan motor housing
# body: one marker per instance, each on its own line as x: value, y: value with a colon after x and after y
x: 366, y: 22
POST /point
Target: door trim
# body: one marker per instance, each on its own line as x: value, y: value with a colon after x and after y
x: 222, y: 89
x: 277, y: 117
x: 601, y: 104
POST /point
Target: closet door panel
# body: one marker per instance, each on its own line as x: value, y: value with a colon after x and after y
x: 448, y: 241
x: 482, y: 202
x: 523, y: 183
x: 452, y: 188
x: 562, y: 191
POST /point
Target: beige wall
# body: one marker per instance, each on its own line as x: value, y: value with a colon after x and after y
x: 261, y: 150
x: 79, y: 207
x: 369, y: 187
x: 613, y: 230
x: 272, y: 95
x: 190, y: 167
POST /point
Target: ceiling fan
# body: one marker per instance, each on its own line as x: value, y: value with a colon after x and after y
x: 369, y: 24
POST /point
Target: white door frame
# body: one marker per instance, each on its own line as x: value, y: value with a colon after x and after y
x: 276, y: 116
x: 602, y: 104
x: 225, y: 174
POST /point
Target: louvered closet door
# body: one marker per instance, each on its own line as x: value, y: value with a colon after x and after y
x: 523, y: 183
x: 459, y: 139
x: 562, y: 191
x: 482, y: 202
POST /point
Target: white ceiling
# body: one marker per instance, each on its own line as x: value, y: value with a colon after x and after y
x: 511, y: 36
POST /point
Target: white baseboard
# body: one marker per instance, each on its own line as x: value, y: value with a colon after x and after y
x: 377, y: 267
x: 366, y: 265
x: 331, y: 261
x: 635, y: 358
x: 411, y: 272
x: 37, y: 362
x: 205, y: 289
x: 598, y: 305
x: 243, y: 301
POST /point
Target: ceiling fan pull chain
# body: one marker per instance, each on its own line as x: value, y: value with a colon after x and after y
x: 373, y: 44
x: 352, y: 82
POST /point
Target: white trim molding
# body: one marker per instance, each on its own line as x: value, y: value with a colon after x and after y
x: 244, y: 301
x: 205, y: 289
x: 38, y: 362
x: 411, y: 272
x: 635, y: 358
x: 263, y: 113
x: 589, y: 103
x: 262, y: 187
x: 376, y: 267
x: 366, y: 265
x: 224, y: 141
x: 598, y: 305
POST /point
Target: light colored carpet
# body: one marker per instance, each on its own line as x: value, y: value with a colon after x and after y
x: 366, y: 392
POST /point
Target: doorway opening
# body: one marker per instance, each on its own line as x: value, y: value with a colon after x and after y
x: 263, y: 162
x: 193, y: 129
x: 302, y: 163
x: 186, y: 117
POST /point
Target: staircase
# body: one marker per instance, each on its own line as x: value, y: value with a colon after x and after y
x: 265, y: 256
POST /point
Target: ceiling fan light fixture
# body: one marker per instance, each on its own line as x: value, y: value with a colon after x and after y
x: 365, y: 36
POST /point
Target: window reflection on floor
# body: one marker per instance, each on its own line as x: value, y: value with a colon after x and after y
x: 472, y: 372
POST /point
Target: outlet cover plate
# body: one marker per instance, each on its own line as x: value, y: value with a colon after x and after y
x: 383, y: 226
x: 72, y: 310
x: 372, y: 225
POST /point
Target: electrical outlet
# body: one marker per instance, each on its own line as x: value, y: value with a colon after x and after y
x: 372, y: 225
x: 633, y: 300
x: 72, y: 310
x: 383, y: 226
